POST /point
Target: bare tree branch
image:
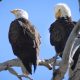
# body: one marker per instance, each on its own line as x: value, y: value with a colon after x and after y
x: 65, y: 58
x: 13, y: 63
x: 7, y: 65
x: 49, y: 63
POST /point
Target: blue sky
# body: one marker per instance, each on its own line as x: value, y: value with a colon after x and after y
x: 41, y: 14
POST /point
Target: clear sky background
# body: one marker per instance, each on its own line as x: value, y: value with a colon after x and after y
x: 41, y: 14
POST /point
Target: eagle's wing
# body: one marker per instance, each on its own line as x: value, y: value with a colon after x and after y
x: 57, y: 33
x: 31, y: 31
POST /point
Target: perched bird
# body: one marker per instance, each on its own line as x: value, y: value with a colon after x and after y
x: 24, y: 39
x: 61, y: 28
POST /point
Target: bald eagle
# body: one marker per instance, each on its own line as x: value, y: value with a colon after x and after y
x: 61, y: 28
x: 24, y: 39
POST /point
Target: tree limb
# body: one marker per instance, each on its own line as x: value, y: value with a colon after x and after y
x: 14, y: 63
x: 49, y: 63
x: 7, y: 65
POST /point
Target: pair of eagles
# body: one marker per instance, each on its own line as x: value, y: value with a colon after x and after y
x: 25, y: 39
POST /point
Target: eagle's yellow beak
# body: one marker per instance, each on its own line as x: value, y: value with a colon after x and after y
x: 13, y: 11
x: 58, y: 14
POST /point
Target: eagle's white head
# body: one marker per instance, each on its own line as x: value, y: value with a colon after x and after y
x: 20, y: 13
x: 62, y: 10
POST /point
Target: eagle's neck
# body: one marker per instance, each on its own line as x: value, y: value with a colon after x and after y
x: 21, y: 16
x: 65, y: 18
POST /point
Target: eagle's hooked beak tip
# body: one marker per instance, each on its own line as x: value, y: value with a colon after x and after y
x: 13, y: 11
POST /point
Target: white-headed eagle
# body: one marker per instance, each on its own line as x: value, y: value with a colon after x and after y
x: 24, y: 39
x: 61, y: 28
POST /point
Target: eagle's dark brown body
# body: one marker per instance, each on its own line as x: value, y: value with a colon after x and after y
x: 59, y: 33
x: 25, y: 41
